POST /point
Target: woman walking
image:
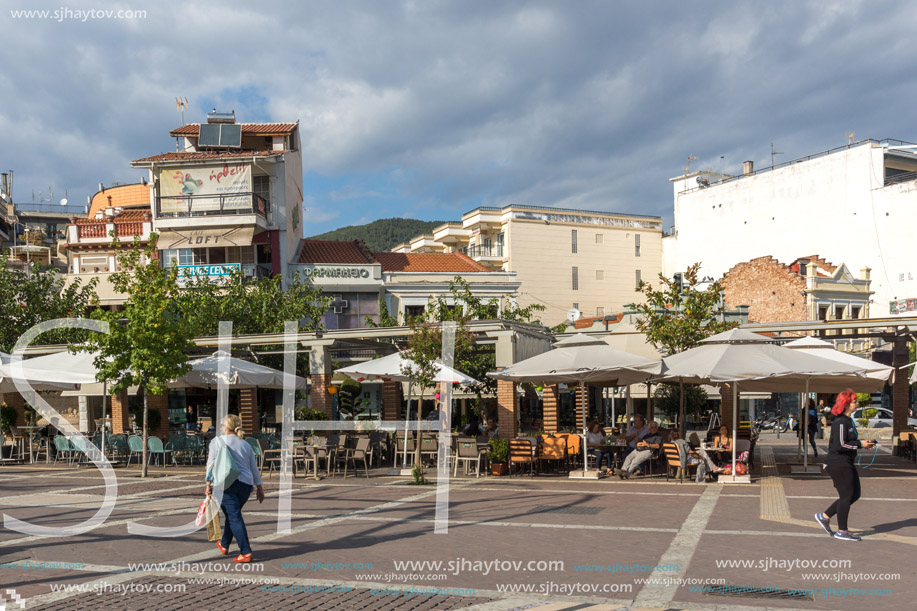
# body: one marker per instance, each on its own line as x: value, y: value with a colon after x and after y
x: 811, y: 420
x: 842, y: 451
x: 235, y: 495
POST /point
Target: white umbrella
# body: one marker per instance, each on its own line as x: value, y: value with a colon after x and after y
x: 205, y: 373
x: 580, y: 359
x: 739, y: 356
x: 6, y: 379
x: 393, y: 367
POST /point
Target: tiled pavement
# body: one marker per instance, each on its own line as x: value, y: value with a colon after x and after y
x: 337, y: 523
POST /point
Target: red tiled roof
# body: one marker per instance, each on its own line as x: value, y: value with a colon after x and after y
x: 249, y: 129
x: 131, y: 215
x: 329, y: 251
x: 453, y: 262
x: 207, y: 155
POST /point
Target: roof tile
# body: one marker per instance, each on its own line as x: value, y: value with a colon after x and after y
x: 428, y: 262
x: 330, y: 251
x: 222, y: 154
x: 251, y: 129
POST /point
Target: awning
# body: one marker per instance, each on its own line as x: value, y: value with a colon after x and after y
x: 206, y: 238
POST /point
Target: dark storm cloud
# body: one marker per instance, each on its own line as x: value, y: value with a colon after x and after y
x: 586, y: 104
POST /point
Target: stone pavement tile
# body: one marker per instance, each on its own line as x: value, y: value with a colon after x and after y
x: 34, y: 582
x: 769, y: 558
x: 866, y: 516
x: 744, y: 514
x: 873, y: 486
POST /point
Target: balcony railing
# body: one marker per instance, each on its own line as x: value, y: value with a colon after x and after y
x: 476, y: 251
x: 211, y: 205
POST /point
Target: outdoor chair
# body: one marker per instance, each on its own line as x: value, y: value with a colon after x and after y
x: 673, y: 461
x: 574, y: 448
x: 39, y: 445
x: 83, y: 449
x: 64, y: 449
x: 553, y: 449
x: 157, y: 449
x: 429, y: 448
x: 520, y: 454
x: 400, y: 449
x: 466, y: 451
x: 304, y: 460
x: 116, y: 446
x: 135, y: 446
x: 358, y: 453
x: 256, y: 448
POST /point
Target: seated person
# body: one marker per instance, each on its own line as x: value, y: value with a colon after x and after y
x: 491, y: 430
x: 473, y: 428
x: 595, y: 436
x: 690, y: 456
x: 722, y: 446
x: 643, y: 452
x: 635, y: 433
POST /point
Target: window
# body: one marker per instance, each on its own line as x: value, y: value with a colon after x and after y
x: 170, y: 257
x: 636, y: 244
x: 599, y: 238
x: 838, y: 312
x: 823, y: 313
x: 575, y: 278
x: 240, y: 254
x: 573, y: 240
x: 637, y: 276
x: 413, y: 312
x: 499, y: 245
x: 576, y: 306
x: 855, y: 311
x: 600, y: 274
x: 261, y: 185
x: 600, y: 311
x: 192, y: 256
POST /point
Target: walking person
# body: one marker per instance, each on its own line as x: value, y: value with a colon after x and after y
x: 235, y: 495
x: 842, y: 451
x: 811, y: 425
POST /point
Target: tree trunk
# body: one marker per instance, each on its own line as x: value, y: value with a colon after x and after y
x: 419, y: 432
x: 146, y: 433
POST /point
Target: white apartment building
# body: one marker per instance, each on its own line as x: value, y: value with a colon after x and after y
x: 855, y: 204
x: 563, y: 259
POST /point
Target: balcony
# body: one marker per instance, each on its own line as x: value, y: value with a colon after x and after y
x: 212, y: 205
x: 483, y: 253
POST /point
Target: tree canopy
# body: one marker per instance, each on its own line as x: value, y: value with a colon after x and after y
x: 381, y: 235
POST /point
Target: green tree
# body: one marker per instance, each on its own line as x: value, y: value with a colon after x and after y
x: 667, y: 400
x: 149, y: 339
x: 27, y: 299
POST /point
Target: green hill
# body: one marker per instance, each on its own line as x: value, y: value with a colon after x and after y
x: 381, y: 235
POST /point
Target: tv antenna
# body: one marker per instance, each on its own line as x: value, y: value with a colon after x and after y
x: 774, y: 154
x: 181, y: 105
x: 690, y: 159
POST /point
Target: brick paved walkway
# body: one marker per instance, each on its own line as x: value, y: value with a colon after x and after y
x: 348, y: 534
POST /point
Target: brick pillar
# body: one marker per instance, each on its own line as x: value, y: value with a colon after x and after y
x: 578, y: 405
x: 550, y: 400
x: 506, y: 409
x: 15, y: 400
x: 159, y: 403
x: 248, y: 410
x: 726, y: 407
x: 319, y: 393
x: 120, y: 416
x: 900, y: 357
x: 391, y: 400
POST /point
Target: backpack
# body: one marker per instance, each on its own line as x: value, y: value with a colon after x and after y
x: 224, y: 471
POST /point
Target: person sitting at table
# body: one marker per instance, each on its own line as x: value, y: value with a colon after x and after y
x: 595, y: 436
x: 691, y: 456
x: 635, y: 433
x: 722, y: 446
x: 491, y: 430
x: 643, y: 451
x: 473, y: 428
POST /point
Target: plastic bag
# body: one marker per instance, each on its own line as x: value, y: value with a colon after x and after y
x: 214, y: 528
x: 202, y: 512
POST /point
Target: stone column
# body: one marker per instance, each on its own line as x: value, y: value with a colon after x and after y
x: 550, y: 401
x: 507, y: 413
x: 120, y: 416
x: 248, y: 410
x: 391, y: 400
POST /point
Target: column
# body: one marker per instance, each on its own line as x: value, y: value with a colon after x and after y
x: 159, y: 403
x: 726, y: 407
x: 506, y: 409
x: 578, y: 405
x: 550, y: 401
x: 321, y: 372
x: 15, y: 400
x: 120, y: 416
x: 248, y: 410
x: 391, y: 400
x: 900, y: 357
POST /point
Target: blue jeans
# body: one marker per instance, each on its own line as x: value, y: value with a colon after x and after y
x: 234, y: 498
x: 599, y: 456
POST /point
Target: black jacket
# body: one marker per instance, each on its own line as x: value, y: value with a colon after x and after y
x: 844, y: 442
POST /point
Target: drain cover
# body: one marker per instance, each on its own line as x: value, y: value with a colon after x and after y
x: 581, y: 510
x: 758, y: 592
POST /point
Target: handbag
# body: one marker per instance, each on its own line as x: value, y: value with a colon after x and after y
x: 212, y: 515
x: 202, y: 512
x: 224, y: 471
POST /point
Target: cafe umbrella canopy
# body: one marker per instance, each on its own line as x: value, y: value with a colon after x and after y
x: 581, y: 359
x: 205, y: 373
x: 393, y: 367
x: 739, y: 357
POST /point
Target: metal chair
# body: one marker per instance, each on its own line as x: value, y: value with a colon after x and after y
x: 520, y: 453
x: 357, y: 453
x: 466, y: 451
x: 135, y: 446
x: 64, y: 449
x: 154, y: 444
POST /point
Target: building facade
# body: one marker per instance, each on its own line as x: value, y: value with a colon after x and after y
x: 563, y: 259
x: 854, y: 204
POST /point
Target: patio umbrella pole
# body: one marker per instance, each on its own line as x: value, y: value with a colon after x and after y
x: 407, y: 424
x: 804, y: 427
x: 735, y: 417
x: 683, y: 430
x: 104, y: 409
x: 582, y: 391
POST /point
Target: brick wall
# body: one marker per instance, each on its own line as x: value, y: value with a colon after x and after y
x: 248, y: 410
x: 770, y: 289
x: 506, y: 408
x: 550, y: 400
x: 160, y: 403
x: 726, y: 407
x: 391, y: 400
x: 120, y: 417
x: 319, y: 394
x: 15, y: 400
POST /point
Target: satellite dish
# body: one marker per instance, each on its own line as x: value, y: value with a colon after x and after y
x: 573, y: 314
x: 63, y: 202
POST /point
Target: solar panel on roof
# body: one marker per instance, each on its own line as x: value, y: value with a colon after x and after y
x: 209, y: 135
x: 231, y: 135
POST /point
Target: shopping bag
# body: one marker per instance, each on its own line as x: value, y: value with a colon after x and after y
x: 202, y: 512
x: 214, y: 528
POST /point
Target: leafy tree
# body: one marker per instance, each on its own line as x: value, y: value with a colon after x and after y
x: 150, y: 338
x: 383, y: 234
x: 27, y: 299
x: 385, y: 317
x: 677, y: 316
x: 667, y: 400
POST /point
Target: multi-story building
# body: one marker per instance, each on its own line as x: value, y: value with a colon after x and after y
x: 228, y: 198
x: 856, y: 204
x: 359, y: 280
x: 563, y: 259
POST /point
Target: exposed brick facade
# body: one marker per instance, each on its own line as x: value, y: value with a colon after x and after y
x: 248, y: 410
x: 550, y: 399
x: 319, y: 393
x: 726, y: 407
x: 15, y: 400
x: 772, y: 291
x: 160, y: 403
x: 506, y: 409
x: 120, y: 416
x: 391, y: 400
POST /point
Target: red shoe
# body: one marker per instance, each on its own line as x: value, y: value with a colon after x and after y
x: 222, y: 549
x: 241, y: 558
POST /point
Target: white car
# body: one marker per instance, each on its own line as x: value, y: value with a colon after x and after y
x: 882, y: 418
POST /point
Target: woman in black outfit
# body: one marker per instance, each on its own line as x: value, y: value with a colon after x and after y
x: 842, y: 451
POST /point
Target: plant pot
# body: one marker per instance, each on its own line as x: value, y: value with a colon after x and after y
x: 499, y: 468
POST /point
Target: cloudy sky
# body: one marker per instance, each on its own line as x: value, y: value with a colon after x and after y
x: 427, y: 109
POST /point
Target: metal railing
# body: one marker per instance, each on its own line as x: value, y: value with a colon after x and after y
x: 212, y: 205
x: 895, y: 179
x: 476, y: 251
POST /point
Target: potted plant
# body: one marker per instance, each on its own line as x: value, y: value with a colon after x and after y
x: 498, y: 455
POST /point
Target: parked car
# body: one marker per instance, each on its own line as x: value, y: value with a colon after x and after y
x: 882, y: 418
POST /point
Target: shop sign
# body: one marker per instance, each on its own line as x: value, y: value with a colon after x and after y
x: 220, y: 273
x: 901, y: 306
x: 337, y: 272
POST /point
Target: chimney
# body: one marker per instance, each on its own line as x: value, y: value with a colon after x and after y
x: 812, y: 269
x: 864, y: 273
x: 748, y: 168
x: 3, y: 184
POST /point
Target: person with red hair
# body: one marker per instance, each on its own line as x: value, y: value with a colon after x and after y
x: 842, y: 452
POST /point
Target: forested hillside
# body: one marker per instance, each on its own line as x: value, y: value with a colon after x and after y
x: 383, y: 234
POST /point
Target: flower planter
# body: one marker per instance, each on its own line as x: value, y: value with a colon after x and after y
x: 499, y: 468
